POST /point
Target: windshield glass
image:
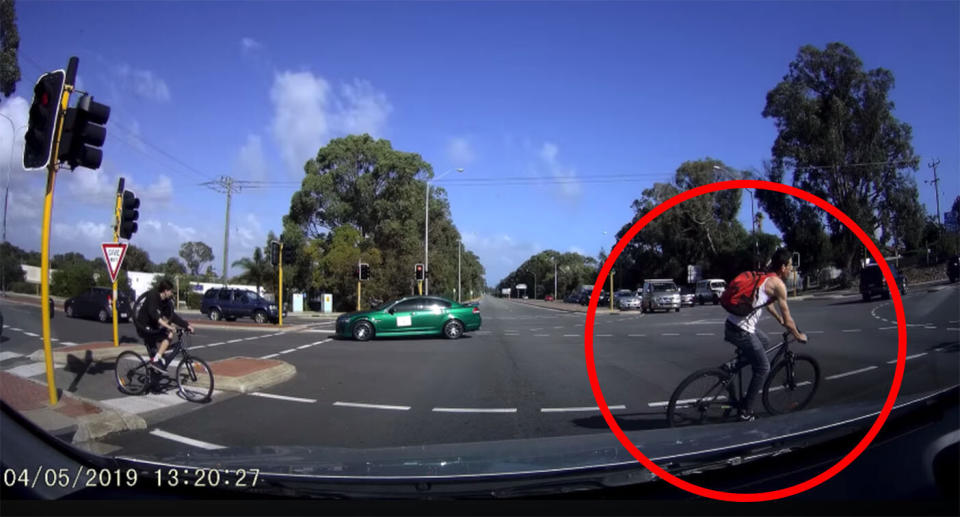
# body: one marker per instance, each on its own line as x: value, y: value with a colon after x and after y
x: 292, y: 170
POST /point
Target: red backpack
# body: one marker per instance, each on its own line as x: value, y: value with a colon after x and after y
x: 738, y: 298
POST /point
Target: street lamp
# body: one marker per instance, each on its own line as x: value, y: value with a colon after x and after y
x: 426, y: 234
x: 459, y: 248
x: 753, y: 220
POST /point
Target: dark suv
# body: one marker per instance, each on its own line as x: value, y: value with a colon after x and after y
x: 872, y: 282
x: 95, y: 303
x: 230, y: 304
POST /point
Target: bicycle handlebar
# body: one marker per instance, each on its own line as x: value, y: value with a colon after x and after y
x: 788, y: 334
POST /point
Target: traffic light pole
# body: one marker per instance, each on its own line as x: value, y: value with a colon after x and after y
x: 359, y: 274
x: 280, y: 289
x: 45, y: 232
x: 116, y: 238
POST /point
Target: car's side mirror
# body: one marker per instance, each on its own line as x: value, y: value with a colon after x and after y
x: 391, y: 311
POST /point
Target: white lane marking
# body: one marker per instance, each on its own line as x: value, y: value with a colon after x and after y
x: 909, y: 357
x: 282, y: 397
x: 189, y: 441
x: 473, y: 410
x: 604, y: 335
x: 846, y: 374
x: 271, y: 356
x: 776, y: 388
x: 669, y: 334
x: 930, y: 327
x: 636, y: 335
x: 888, y: 328
x: 288, y: 351
x: 54, y: 339
x: 371, y: 406
x: 31, y: 334
x: 68, y: 343
x: 28, y: 370
x: 558, y: 327
x: 6, y: 326
x: 9, y: 355
x: 534, y: 330
x: 251, y: 338
x: 541, y: 335
x: 322, y: 331
x: 814, y: 332
x: 850, y: 330
x: 234, y: 341
x: 15, y: 328
x: 215, y: 344
x: 571, y: 335
x: 705, y: 334
x: 143, y: 404
x: 681, y: 402
x: 321, y: 341
x: 301, y: 347
x: 572, y: 409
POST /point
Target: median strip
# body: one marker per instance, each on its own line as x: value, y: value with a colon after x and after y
x: 847, y: 374
x: 371, y: 406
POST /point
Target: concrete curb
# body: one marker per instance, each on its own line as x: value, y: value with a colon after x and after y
x: 274, y: 372
x: 108, y: 421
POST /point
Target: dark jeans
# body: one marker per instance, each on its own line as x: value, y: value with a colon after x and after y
x: 752, y: 346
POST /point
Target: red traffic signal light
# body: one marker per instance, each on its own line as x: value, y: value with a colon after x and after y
x: 420, y: 271
x: 38, y: 140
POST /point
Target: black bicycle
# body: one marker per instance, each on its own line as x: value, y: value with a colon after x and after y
x: 709, y: 396
x: 193, y: 375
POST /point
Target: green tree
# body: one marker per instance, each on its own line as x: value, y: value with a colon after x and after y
x: 10, y: 259
x: 256, y: 268
x: 66, y: 259
x: 195, y: 254
x: 172, y: 267
x: 9, y: 45
x: 838, y: 139
x: 137, y: 259
x: 72, y: 278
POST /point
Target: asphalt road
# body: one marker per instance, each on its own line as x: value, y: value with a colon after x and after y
x: 522, y: 375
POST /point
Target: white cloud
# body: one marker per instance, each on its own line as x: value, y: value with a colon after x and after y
x: 250, y: 160
x: 159, y: 192
x: 460, y: 152
x: 13, y: 125
x: 569, y: 185
x: 142, y: 83
x: 250, y: 44
x: 308, y: 113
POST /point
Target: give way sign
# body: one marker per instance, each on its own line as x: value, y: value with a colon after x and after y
x: 113, y: 253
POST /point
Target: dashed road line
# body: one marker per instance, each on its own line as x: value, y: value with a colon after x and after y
x: 577, y: 409
x: 778, y: 388
x: 887, y: 328
x: 473, y: 410
x: 271, y: 356
x: 850, y: 330
x: 669, y: 334
x: 814, y: 332
x: 31, y: 334
x: 16, y: 329
x: 909, y: 357
x: 235, y: 341
x: 371, y: 406
x: 571, y: 335
x: 68, y: 343
x: 183, y: 439
x: 636, y: 335
x: 706, y: 334
x: 541, y: 335
x: 288, y: 351
x: 604, y: 335
x: 283, y: 397
x: 301, y: 347
x: 847, y: 374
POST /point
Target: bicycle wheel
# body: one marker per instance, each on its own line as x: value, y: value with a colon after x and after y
x: 706, y: 397
x: 132, y: 373
x: 791, y: 384
x: 195, y: 379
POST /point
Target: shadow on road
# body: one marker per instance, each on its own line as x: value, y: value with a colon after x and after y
x: 641, y: 421
x: 82, y: 367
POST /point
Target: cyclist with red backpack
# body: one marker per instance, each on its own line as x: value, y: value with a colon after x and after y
x: 745, y: 298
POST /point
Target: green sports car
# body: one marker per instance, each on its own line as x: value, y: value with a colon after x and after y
x: 411, y: 316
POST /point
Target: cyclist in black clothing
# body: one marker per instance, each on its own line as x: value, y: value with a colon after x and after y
x: 154, y: 320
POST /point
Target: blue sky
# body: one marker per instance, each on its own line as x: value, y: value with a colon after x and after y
x: 502, y: 89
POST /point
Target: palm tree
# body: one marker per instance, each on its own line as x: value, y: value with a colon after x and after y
x: 256, y: 268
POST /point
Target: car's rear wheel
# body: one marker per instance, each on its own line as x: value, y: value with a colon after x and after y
x: 215, y: 314
x: 260, y: 317
x: 103, y: 316
x: 453, y: 329
x: 362, y: 331
x: 677, y: 309
x: 69, y: 311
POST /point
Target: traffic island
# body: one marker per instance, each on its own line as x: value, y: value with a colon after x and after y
x: 247, y: 374
x: 71, y: 414
x: 88, y: 352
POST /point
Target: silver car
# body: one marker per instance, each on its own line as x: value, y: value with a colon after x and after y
x: 628, y: 302
x: 660, y: 294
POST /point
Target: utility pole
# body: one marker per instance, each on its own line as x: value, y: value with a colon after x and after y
x: 936, y: 188
x: 225, y: 185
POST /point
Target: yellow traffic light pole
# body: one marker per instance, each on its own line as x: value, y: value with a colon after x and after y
x: 45, y: 232
x: 116, y: 238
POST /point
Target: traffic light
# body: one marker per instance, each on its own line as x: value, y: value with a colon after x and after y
x: 419, y: 269
x: 364, y: 271
x: 129, y: 213
x: 83, y: 134
x: 38, y: 140
x: 274, y: 253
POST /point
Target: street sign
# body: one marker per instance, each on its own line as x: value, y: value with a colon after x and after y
x: 113, y: 253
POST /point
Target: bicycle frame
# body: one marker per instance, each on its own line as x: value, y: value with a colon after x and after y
x: 740, y: 362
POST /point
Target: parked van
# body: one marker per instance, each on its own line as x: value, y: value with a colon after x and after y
x: 710, y: 290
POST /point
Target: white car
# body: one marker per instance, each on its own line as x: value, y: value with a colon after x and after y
x: 710, y: 290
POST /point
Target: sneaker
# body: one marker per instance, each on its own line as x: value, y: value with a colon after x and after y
x: 746, y: 416
x: 158, y: 366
